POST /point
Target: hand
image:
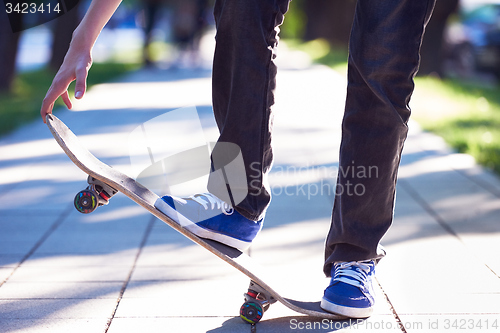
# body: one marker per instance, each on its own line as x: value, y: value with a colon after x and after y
x: 75, y: 66
x: 78, y: 60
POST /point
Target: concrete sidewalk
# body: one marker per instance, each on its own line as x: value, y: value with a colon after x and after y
x: 120, y: 270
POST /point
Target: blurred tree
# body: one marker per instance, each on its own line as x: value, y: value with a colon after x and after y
x: 295, y: 21
x: 9, y: 42
x: 332, y: 20
x: 151, y: 15
x: 432, y: 45
x: 61, y: 35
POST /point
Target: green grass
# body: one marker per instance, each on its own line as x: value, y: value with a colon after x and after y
x: 465, y: 114
x: 23, y: 103
x: 321, y: 52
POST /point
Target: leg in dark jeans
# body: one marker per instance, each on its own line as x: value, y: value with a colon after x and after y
x: 243, y: 83
x: 384, y: 57
x: 243, y: 92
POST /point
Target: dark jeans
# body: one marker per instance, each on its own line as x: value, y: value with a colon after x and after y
x: 383, y: 59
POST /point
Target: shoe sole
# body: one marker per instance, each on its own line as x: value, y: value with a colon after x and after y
x: 201, y: 232
x: 347, y: 311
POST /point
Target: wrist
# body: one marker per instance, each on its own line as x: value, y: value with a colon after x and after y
x: 81, y: 41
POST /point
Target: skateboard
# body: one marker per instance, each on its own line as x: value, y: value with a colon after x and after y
x: 104, y: 182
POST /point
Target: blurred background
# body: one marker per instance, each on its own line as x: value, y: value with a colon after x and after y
x: 457, y: 92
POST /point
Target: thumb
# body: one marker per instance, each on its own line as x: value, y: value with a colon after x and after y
x: 81, y: 82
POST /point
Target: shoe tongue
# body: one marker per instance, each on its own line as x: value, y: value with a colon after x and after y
x: 349, y: 270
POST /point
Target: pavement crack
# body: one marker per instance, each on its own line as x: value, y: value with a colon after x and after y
x: 39, y: 243
x: 393, y: 310
x: 421, y: 201
x: 481, y: 183
x: 147, y: 232
x: 415, y: 196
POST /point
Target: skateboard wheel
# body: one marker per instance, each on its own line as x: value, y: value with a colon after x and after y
x: 86, y: 201
x: 251, y: 312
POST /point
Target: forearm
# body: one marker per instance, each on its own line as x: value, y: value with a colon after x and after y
x: 98, y: 14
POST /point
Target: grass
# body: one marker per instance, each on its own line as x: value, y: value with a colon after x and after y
x: 23, y: 103
x: 465, y: 114
x: 321, y: 52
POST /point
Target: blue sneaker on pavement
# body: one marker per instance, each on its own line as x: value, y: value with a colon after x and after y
x: 207, y: 216
x: 350, y: 292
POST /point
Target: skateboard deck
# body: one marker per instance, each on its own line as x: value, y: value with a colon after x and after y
x: 260, y: 294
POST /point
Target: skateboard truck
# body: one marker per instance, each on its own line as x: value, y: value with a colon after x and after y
x: 257, y: 301
x: 95, y: 195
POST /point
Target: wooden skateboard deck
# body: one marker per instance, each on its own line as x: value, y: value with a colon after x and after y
x: 92, y: 166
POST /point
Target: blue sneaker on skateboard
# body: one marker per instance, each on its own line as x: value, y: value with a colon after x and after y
x: 208, y: 217
x: 350, y: 292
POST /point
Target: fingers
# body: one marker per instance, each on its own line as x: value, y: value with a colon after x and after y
x: 46, y: 109
x: 58, y: 88
x: 81, y: 82
x: 47, y: 104
x: 66, y: 100
x: 76, y: 70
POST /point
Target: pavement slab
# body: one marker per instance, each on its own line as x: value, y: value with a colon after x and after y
x: 70, y: 290
x: 56, y: 308
x: 53, y: 325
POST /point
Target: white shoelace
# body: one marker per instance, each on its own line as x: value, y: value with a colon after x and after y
x: 207, y: 198
x: 346, y: 272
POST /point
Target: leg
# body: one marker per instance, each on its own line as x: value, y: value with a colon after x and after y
x: 384, y: 57
x: 243, y: 92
